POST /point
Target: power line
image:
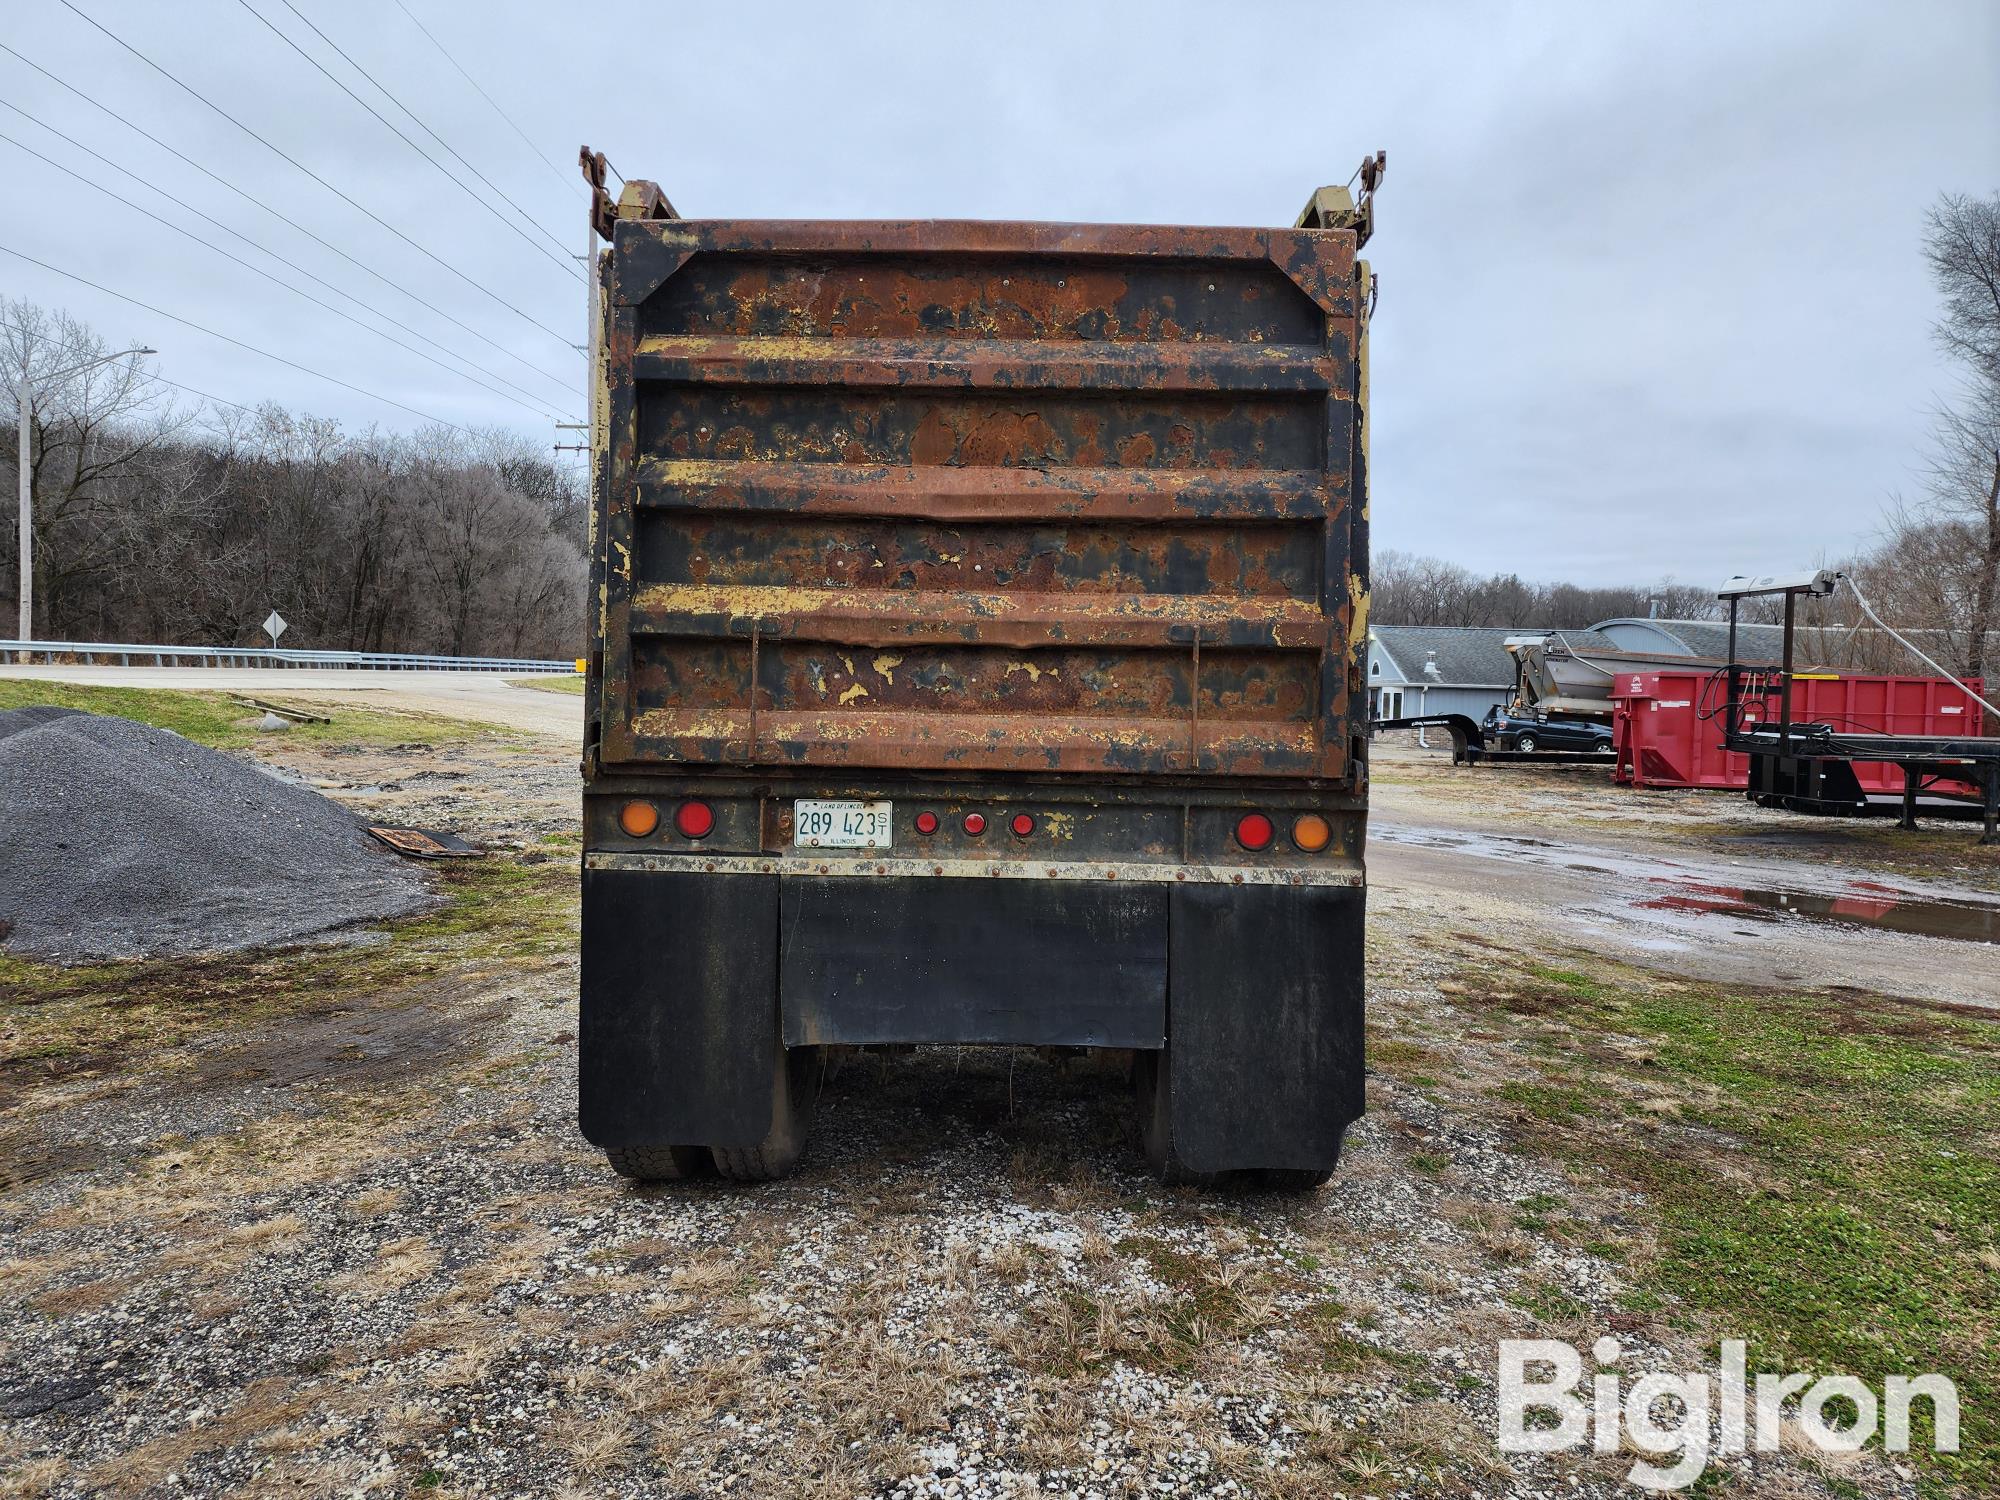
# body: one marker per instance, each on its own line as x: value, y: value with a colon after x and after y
x: 540, y: 411
x: 390, y: 125
x: 227, y: 339
x: 43, y: 338
x: 571, y: 178
x: 195, y: 94
x: 259, y: 203
x: 532, y: 402
x: 526, y: 217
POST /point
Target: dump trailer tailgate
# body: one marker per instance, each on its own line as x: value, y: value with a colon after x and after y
x: 981, y: 497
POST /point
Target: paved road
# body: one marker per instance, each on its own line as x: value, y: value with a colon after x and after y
x: 474, y: 695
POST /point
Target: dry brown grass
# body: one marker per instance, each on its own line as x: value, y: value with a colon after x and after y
x: 33, y: 1478
x: 262, y: 1405
x: 396, y: 1265
x: 25, y: 1272
x: 597, y: 1445
x: 705, y: 1272
x: 87, y: 1296
x: 376, y: 1201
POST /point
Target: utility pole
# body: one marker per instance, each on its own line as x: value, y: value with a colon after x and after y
x: 24, y: 393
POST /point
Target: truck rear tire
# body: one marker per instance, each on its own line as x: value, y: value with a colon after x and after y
x: 657, y: 1163
x: 795, y: 1090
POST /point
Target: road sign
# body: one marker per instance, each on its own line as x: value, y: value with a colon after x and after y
x: 274, y: 626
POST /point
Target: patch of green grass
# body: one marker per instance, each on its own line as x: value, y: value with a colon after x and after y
x: 572, y: 685
x: 1547, y: 1101
x: 217, y: 719
x: 1430, y: 1163
x: 1532, y: 1212
x: 1569, y: 979
x: 1856, y: 1227
x: 1548, y: 1302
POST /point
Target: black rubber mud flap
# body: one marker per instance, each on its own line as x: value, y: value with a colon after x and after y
x: 1265, y: 1002
x: 1018, y: 962
x: 677, y: 1029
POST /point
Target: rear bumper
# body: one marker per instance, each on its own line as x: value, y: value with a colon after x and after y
x: 693, y: 981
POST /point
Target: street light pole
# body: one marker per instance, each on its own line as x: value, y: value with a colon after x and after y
x: 24, y: 392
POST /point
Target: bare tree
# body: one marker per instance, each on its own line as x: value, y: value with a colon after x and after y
x: 1962, y: 247
x: 88, y: 428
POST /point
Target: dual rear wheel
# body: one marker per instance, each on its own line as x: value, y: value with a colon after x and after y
x: 794, y: 1098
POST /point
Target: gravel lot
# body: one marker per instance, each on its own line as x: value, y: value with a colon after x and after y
x: 365, y: 1251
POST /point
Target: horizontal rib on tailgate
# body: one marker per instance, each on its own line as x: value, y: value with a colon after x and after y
x: 989, y: 497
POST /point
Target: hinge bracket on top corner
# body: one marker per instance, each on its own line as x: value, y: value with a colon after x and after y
x: 1337, y: 207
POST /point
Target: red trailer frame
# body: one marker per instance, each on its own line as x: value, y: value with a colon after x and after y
x: 1668, y: 731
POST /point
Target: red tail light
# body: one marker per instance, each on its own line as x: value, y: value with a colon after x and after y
x: 975, y: 824
x: 927, y: 822
x: 1023, y: 825
x: 1253, y: 832
x: 694, y: 820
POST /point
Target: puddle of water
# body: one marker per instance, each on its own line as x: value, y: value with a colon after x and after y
x: 1961, y: 921
x: 1861, y: 904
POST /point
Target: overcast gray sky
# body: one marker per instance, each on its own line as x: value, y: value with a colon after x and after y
x: 1652, y: 302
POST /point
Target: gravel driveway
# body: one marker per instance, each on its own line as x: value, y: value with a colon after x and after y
x: 363, y: 1250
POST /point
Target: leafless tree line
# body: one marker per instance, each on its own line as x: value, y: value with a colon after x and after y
x: 1407, y: 589
x: 164, y: 520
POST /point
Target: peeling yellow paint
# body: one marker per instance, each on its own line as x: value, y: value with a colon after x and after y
x: 1357, y: 591
x: 857, y: 691
x: 1034, y: 672
x: 886, y: 665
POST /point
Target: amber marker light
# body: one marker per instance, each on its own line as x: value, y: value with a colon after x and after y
x: 638, y: 818
x: 1311, y: 832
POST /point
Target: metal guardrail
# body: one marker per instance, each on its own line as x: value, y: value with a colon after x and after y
x: 125, y: 653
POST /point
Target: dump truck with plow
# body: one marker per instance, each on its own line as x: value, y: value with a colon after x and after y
x: 977, y: 656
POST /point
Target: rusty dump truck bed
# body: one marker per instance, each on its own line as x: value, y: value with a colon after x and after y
x: 982, y: 497
x: 978, y: 660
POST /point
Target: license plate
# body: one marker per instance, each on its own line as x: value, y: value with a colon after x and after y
x: 841, y: 825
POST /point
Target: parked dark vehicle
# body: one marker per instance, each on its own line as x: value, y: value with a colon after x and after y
x: 1506, y: 731
x: 978, y: 656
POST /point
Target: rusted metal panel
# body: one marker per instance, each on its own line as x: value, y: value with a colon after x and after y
x: 983, y: 497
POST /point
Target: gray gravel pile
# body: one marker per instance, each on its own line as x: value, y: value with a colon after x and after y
x: 122, y: 841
